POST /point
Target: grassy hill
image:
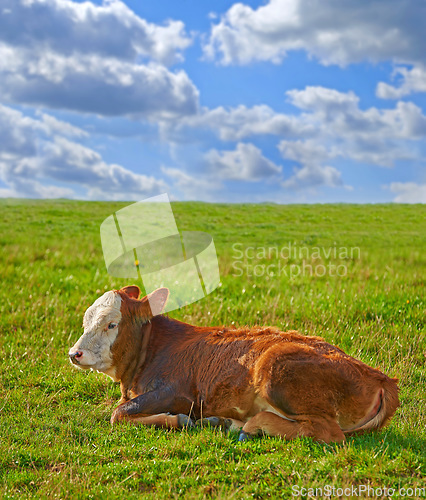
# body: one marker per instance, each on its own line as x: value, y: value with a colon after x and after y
x: 354, y: 274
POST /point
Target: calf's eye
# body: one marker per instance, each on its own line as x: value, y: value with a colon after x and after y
x: 111, y: 326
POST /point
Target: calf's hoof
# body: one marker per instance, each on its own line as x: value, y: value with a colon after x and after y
x: 214, y: 422
x: 115, y: 417
x: 244, y: 437
x: 184, y: 421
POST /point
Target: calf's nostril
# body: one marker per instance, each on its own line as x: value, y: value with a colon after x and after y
x: 75, y: 355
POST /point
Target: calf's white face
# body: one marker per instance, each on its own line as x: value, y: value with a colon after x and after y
x: 100, y: 323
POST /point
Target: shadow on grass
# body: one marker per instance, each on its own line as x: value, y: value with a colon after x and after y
x: 389, y: 441
x: 389, y: 438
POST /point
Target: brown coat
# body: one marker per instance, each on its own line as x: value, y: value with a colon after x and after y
x: 261, y: 379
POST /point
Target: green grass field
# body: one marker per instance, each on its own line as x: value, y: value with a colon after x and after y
x: 56, y: 439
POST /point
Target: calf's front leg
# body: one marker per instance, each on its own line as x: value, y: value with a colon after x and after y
x: 162, y: 420
x: 161, y: 408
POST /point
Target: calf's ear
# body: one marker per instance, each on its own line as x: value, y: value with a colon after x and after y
x: 132, y: 291
x: 157, y: 300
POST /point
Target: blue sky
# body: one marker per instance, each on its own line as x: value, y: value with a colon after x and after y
x: 285, y: 101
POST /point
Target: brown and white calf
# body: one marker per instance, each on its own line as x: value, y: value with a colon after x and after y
x: 260, y: 380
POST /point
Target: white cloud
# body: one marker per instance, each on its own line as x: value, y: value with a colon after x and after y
x: 412, y: 80
x: 245, y: 163
x: 107, y: 30
x: 321, y: 107
x: 70, y: 162
x: 378, y: 137
x: 313, y: 176
x: 30, y: 188
x: 55, y: 126
x: 311, y: 154
x: 328, y: 127
x: 332, y: 31
x: 345, y: 132
x: 37, y: 162
x: 406, y: 120
x: 238, y: 123
x: 324, y: 100
x: 193, y: 188
x: 18, y: 133
x: 306, y: 152
x: 93, y: 84
x: 88, y: 58
x: 408, y: 192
